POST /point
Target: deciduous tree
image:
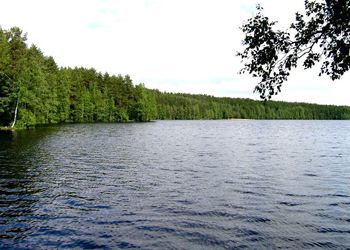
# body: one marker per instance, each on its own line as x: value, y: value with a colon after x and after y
x: 320, y: 34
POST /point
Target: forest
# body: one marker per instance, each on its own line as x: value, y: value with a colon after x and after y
x: 42, y: 93
x: 186, y: 106
x: 34, y: 90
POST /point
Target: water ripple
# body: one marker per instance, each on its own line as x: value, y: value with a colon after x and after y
x: 177, y: 185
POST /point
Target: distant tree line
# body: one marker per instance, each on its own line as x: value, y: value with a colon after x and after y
x: 185, y: 106
x: 34, y: 90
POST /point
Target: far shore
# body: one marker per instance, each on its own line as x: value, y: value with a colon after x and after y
x: 7, y: 129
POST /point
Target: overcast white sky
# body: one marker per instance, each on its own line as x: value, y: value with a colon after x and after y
x: 172, y: 45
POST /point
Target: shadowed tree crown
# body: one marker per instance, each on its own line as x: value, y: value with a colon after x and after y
x: 320, y: 34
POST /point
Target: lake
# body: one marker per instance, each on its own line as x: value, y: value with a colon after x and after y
x: 177, y: 185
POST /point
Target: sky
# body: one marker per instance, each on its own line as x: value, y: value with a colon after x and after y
x: 186, y: 46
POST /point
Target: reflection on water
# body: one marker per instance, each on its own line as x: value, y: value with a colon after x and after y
x: 177, y: 184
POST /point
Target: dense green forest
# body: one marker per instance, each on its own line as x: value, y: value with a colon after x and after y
x: 44, y: 93
x: 186, y: 106
x: 34, y: 90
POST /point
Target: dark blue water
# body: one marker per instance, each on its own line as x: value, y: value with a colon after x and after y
x: 177, y: 185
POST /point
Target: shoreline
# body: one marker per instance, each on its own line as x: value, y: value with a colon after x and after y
x: 151, y: 121
x: 7, y: 129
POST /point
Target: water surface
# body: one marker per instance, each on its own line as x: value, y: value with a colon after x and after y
x: 177, y: 185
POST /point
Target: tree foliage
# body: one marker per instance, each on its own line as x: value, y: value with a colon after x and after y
x: 48, y: 94
x: 172, y: 106
x: 45, y: 94
x: 321, y: 34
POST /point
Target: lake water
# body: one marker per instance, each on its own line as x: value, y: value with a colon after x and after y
x: 177, y: 185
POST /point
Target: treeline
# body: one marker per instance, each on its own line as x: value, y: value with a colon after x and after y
x: 34, y: 90
x: 185, y: 106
